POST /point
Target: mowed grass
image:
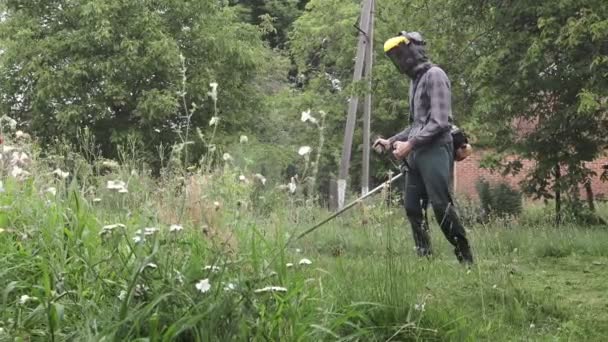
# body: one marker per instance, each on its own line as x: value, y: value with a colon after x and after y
x: 62, y: 280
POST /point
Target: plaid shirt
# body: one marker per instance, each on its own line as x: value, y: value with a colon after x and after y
x: 430, y: 110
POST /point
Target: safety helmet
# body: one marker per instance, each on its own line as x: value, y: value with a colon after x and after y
x: 406, y: 50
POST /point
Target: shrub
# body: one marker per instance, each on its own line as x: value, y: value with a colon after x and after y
x: 499, y: 200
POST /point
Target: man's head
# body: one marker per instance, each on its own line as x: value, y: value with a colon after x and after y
x: 407, y: 52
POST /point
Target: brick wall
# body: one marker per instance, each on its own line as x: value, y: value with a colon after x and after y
x: 468, y: 172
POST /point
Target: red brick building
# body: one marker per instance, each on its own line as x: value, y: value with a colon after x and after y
x: 468, y: 172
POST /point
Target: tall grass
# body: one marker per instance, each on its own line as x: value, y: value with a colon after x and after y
x: 107, y: 252
x: 63, y: 279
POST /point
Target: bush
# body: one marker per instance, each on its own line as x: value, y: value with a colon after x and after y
x: 499, y: 200
x: 469, y: 210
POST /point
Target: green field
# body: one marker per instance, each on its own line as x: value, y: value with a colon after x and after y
x: 62, y: 280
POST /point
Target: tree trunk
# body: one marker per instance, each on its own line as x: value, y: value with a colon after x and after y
x: 558, y: 196
x: 590, y: 197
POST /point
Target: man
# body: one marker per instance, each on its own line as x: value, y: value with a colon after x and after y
x: 427, y: 145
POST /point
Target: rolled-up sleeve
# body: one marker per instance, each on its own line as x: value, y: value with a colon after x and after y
x: 440, y: 108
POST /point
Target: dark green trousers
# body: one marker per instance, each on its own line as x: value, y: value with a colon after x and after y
x: 430, y: 179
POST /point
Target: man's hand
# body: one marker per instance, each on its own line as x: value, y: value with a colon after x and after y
x: 381, y: 145
x: 402, y: 149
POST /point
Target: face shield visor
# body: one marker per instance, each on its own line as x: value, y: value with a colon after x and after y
x: 396, y: 50
x: 406, y: 52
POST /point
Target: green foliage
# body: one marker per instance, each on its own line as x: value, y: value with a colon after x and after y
x: 274, y: 17
x: 545, y: 62
x: 115, y: 67
x: 499, y: 200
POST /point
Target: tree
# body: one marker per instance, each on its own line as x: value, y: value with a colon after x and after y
x: 115, y: 66
x: 547, y: 63
x: 275, y: 17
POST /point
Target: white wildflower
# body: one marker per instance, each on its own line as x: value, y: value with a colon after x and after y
x: 122, y: 295
x: 261, y: 178
x: 148, y: 231
x: 217, y: 205
x: 229, y: 287
x: 134, y: 173
x: 419, y: 307
x: 140, y: 290
x: 242, y: 178
x: 108, y: 229
x: 298, y: 250
x: 19, y: 134
x: 203, y: 285
x: 532, y: 326
x: 25, y: 298
x: 115, y: 185
x: 175, y: 228
x: 243, y: 139
x: 271, y: 289
x: 227, y: 157
x: 179, y: 276
x: 23, y: 157
x: 19, y: 158
x: 96, y: 200
x: 323, y: 114
x: 336, y: 84
x: 7, y: 149
x: 304, y: 150
x: 1, y: 186
x: 123, y: 191
x: 213, y: 268
x: 17, y: 171
x: 305, y: 261
x: 151, y: 265
x: 494, y: 286
x: 292, y: 185
x: 310, y: 280
x: 138, y: 239
x: 12, y: 123
x: 51, y: 190
x: 113, y: 226
x: 111, y: 164
x: 213, y: 92
x: 214, y: 121
x: 59, y: 173
x: 307, y: 117
x: 289, y: 265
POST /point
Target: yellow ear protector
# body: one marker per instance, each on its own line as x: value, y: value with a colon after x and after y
x: 394, y: 42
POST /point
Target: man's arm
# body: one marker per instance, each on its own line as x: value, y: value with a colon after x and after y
x: 404, y: 135
x: 401, y: 136
x: 439, y: 92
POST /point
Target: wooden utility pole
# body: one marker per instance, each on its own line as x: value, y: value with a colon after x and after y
x: 367, y: 114
x: 366, y: 13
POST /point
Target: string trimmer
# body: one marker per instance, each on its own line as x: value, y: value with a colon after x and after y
x: 377, y: 147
